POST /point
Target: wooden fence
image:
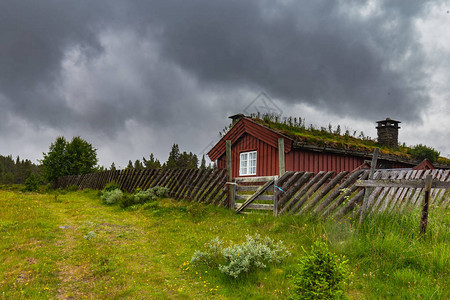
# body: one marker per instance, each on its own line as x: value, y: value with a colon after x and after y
x: 324, y: 194
x: 206, y: 186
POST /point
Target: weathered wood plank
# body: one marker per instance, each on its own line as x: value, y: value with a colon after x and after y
x: 345, y: 209
x: 211, y: 187
x: 173, y: 180
x: 281, y: 158
x: 166, y: 178
x: 150, y: 178
x: 184, y: 183
x: 256, y: 206
x: 255, y: 195
x: 292, y: 190
x: 311, y: 203
x: 376, y: 199
x: 402, y: 183
x: 344, y: 195
x: 179, y: 182
x: 205, y: 185
x: 200, y: 183
x: 302, y: 196
x: 260, y: 197
x: 247, y: 188
x: 435, y: 191
x: 407, y: 199
x: 418, y: 191
x: 400, y: 192
x: 328, y: 188
x: 216, y: 192
x: 188, y: 183
x: 254, y: 179
x: 365, y: 205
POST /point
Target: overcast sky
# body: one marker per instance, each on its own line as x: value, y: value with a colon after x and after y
x: 133, y: 77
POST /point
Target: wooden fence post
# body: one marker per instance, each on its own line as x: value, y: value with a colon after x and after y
x: 367, y: 190
x: 424, y: 218
x: 282, y: 170
x: 230, y: 176
x: 276, y: 194
x: 281, y: 159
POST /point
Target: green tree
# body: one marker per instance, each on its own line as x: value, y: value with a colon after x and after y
x: 113, y: 167
x: 203, y: 163
x: 152, y: 162
x: 82, y: 157
x: 174, y: 156
x: 421, y: 152
x: 55, y: 162
x: 138, y: 165
x: 179, y: 160
x: 187, y: 161
x: 130, y: 165
x: 74, y: 158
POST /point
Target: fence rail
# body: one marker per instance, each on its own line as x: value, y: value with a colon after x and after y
x: 325, y: 194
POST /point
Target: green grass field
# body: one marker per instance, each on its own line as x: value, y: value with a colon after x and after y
x: 71, y: 246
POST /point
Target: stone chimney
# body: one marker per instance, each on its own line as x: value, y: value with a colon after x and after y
x: 388, y: 132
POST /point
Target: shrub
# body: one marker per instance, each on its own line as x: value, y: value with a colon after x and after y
x: 160, y: 191
x: 72, y: 188
x: 33, y: 183
x: 112, y: 186
x: 127, y: 200
x: 112, y: 194
x: 320, y: 275
x: 111, y: 197
x: 255, y: 252
x: 422, y: 152
x: 140, y: 197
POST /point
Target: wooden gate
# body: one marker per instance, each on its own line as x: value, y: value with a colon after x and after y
x: 254, y: 193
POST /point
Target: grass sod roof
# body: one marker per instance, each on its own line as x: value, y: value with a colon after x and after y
x: 329, y: 138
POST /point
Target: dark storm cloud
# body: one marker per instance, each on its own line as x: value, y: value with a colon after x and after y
x: 301, y: 51
x: 34, y: 36
x: 180, y: 53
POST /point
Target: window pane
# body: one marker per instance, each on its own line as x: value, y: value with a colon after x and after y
x: 247, y: 164
x: 243, y: 171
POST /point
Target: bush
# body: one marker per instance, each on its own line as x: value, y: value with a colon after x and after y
x: 112, y: 186
x: 33, y: 183
x: 111, y: 197
x: 160, y: 191
x: 320, y: 275
x: 127, y: 200
x: 255, y: 252
x: 421, y: 152
x: 112, y: 194
x: 72, y: 188
x: 140, y: 197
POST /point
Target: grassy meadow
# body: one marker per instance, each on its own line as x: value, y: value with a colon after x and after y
x: 68, y: 245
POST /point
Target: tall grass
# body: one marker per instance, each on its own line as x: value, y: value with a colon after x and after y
x: 71, y: 245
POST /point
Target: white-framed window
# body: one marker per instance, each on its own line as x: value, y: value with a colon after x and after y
x: 247, y: 165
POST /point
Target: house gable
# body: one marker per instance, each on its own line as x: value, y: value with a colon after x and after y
x: 247, y: 126
x: 424, y: 165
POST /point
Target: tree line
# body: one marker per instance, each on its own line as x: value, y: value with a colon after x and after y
x: 16, y: 171
x: 176, y: 160
x: 78, y: 157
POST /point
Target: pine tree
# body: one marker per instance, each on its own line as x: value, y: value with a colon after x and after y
x: 174, y: 157
x: 138, y: 165
x: 152, y: 163
x: 203, y: 163
x: 130, y: 165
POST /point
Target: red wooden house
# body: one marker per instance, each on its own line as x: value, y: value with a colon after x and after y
x: 254, y: 150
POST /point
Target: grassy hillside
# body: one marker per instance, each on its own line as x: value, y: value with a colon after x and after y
x: 70, y: 245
